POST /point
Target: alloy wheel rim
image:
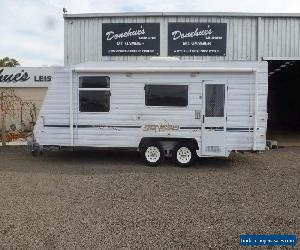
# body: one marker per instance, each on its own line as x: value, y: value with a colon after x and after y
x: 184, y: 155
x: 152, y: 154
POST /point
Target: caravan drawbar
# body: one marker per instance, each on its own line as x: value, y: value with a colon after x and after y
x: 161, y: 108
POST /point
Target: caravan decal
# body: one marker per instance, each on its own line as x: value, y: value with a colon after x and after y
x: 163, y: 127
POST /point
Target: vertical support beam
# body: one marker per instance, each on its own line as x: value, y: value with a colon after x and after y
x: 260, y: 47
x: 259, y: 39
x: 66, y: 42
x: 71, y: 121
x: 163, y: 37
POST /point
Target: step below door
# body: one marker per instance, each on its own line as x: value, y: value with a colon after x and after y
x: 214, y: 119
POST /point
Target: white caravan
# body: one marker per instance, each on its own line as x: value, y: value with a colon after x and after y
x: 158, y: 107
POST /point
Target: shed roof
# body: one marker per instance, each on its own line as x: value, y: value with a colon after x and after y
x: 172, y: 14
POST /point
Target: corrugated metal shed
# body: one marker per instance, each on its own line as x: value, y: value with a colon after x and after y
x: 250, y: 36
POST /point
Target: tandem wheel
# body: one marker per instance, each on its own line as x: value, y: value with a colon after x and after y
x: 183, y: 155
x: 152, y: 153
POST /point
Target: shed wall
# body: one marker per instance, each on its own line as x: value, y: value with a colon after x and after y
x: 248, y: 37
x: 279, y: 37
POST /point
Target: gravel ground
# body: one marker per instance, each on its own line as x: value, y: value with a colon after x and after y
x: 100, y: 200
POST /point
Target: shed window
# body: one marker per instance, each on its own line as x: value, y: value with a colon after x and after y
x: 94, y: 94
x: 166, y: 95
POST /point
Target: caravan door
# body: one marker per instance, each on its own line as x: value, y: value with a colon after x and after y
x: 214, y: 119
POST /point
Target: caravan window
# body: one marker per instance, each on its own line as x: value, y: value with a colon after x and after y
x: 94, y: 94
x: 94, y: 82
x: 166, y: 95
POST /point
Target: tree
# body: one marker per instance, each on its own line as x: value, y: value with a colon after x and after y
x: 8, y: 62
x: 8, y: 100
x: 6, y: 96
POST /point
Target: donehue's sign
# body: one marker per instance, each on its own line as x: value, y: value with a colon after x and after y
x: 201, y: 39
x: 25, y: 76
x: 130, y: 39
x: 184, y: 39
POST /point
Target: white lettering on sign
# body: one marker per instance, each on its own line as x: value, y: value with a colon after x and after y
x: 110, y: 35
x: 176, y: 34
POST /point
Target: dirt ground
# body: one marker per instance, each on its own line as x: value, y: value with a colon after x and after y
x: 109, y: 200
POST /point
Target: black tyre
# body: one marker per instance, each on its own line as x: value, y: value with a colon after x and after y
x: 183, y: 155
x: 152, y: 153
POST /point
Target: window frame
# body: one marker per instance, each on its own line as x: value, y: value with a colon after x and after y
x: 93, y: 89
x: 168, y: 84
x: 224, y: 99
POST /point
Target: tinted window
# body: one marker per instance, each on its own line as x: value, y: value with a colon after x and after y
x: 94, y: 101
x: 214, y: 100
x: 166, y: 95
x: 94, y: 82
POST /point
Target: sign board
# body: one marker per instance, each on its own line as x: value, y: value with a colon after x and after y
x: 130, y: 39
x: 197, y: 39
x: 26, y: 76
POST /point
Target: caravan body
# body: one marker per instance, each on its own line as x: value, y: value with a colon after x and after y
x: 214, y: 107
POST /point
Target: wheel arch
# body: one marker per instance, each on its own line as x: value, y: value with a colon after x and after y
x: 188, y: 141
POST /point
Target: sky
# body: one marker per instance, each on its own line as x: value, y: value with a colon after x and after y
x: 32, y: 31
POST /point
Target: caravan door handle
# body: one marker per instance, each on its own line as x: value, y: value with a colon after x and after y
x: 203, y: 119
